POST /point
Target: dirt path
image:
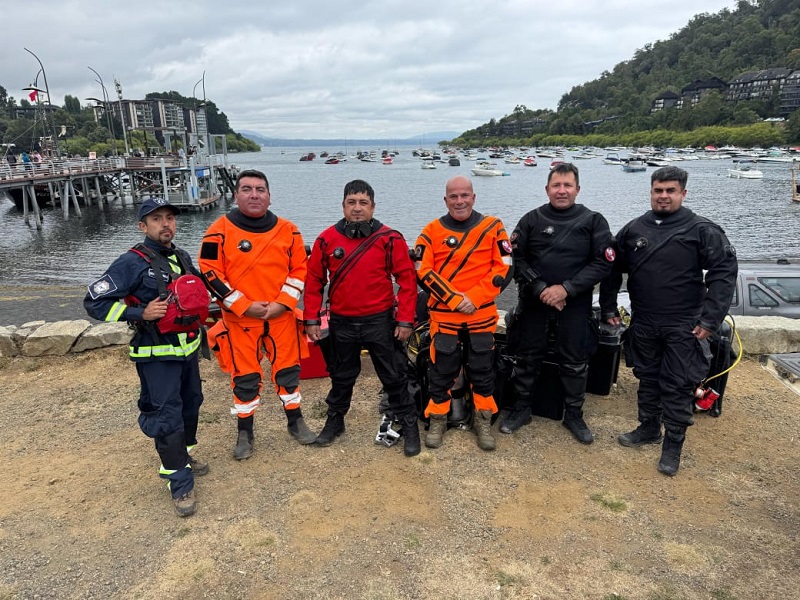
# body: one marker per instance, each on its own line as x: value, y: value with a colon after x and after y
x: 83, y: 514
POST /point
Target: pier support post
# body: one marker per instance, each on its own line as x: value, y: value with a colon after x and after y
x: 29, y: 195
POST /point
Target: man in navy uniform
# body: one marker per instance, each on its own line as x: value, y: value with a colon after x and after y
x: 167, y: 363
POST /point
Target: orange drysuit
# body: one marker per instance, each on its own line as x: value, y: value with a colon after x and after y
x: 455, y: 259
x: 262, y: 264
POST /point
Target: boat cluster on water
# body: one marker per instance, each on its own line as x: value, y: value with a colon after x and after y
x: 492, y: 161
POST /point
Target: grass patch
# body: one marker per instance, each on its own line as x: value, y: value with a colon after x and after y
x: 412, y: 541
x: 722, y: 595
x: 668, y: 593
x: 616, y: 565
x: 613, y: 504
x: 264, y: 542
x: 614, y: 597
x: 504, y: 579
x: 546, y: 560
x: 183, y: 532
x: 208, y: 418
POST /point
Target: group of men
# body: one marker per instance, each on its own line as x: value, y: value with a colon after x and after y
x: 360, y: 275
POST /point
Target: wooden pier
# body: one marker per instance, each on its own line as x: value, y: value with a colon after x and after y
x: 193, y: 185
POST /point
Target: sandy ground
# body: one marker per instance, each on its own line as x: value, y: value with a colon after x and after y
x: 84, y: 515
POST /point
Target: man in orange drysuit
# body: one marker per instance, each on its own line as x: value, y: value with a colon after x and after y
x: 463, y: 260
x: 254, y: 262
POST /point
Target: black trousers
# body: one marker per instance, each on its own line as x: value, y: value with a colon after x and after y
x: 569, y: 333
x: 375, y: 333
x: 669, y: 362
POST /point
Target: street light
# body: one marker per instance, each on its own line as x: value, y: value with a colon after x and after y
x: 106, y: 104
x: 122, y: 116
x: 47, y: 91
x: 203, y: 106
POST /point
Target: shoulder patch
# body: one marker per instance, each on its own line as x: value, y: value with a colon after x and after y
x: 610, y: 254
x: 505, y: 247
x: 102, y: 287
x: 418, y: 252
x: 730, y: 250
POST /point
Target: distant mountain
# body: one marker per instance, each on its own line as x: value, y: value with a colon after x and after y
x: 428, y: 138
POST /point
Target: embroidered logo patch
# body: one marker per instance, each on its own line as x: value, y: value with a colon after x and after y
x: 610, y: 254
x: 102, y: 286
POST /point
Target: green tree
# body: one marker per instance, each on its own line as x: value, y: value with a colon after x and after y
x: 791, y: 129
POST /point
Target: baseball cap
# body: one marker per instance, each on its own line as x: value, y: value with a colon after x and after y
x: 152, y: 204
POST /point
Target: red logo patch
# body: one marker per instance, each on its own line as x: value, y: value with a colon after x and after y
x: 610, y: 254
x: 506, y: 246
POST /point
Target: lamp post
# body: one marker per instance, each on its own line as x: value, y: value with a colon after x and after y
x: 203, y: 106
x: 47, y: 91
x: 106, y: 105
x: 122, y: 116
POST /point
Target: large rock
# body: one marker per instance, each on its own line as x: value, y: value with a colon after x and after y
x: 768, y: 335
x: 54, y: 338
x: 8, y: 346
x: 103, y: 334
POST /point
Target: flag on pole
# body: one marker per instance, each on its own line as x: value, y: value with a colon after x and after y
x: 33, y: 95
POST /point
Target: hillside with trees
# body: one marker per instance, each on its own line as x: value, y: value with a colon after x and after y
x: 79, y: 131
x: 616, y: 108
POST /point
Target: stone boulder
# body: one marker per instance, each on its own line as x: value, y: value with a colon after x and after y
x: 768, y: 335
x: 54, y: 338
x: 8, y: 347
x: 103, y: 334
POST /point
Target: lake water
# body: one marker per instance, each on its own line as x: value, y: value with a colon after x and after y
x: 758, y: 215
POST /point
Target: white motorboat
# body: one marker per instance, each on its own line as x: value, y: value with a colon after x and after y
x: 428, y: 164
x: 487, y: 172
x: 745, y: 173
x: 612, y: 159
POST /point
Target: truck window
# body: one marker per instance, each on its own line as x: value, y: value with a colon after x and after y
x: 759, y: 298
x: 786, y: 288
x: 735, y: 299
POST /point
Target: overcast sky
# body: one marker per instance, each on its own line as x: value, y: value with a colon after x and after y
x: 335, y: 69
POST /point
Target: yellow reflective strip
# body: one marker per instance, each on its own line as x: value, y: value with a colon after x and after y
x: 115, y: 312
x: 165, y: 349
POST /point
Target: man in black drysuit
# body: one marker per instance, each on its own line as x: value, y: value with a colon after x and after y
x: 561, y: 251
x: 675, y: 309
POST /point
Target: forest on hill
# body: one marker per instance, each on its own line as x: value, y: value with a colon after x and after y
x: 616, y: 108
x: 27, y: 126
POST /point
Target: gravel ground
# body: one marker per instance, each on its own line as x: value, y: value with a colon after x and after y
x: 84, y: 515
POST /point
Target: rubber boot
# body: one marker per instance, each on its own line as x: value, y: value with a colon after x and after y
x: 436, y: 429
x: 573, y: 420
x: 411, y: 445
x: 483, y: 429
x: 648, y: 432
x: 244, y: 445
x: 671, y: 452
x: 333, y: 428
x: 244, y: 438
x: 297, y: 427
x: 519, y: 416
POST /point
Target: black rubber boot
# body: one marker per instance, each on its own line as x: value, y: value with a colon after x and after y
x: 411, y: 442
x: 244, y: 445
x: 244, y: 439
x: 671, y: 452
x: 297, y: 427
x: 573, y: 420
x: 648, y: 432
x: 333, y: 428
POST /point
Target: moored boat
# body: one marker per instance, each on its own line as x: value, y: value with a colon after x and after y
x: 745, y: 173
